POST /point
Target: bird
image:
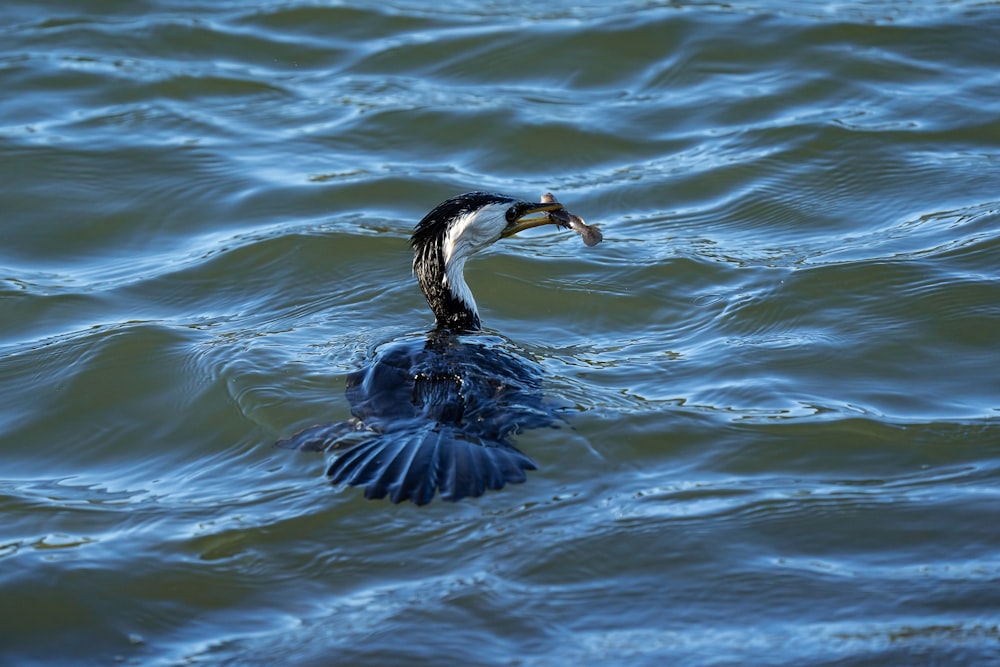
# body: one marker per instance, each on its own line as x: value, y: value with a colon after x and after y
x: 434, y: 413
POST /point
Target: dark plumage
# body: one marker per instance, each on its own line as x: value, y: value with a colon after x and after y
x: 436, y: 413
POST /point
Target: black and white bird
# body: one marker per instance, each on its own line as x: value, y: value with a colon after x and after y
x: 436, y: 412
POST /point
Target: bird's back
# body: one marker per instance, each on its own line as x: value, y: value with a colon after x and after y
x: 436, y: 414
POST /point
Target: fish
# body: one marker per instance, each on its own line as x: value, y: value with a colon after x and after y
x: 590, y: 234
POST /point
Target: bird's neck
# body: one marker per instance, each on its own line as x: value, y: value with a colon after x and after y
x: 445, y: 289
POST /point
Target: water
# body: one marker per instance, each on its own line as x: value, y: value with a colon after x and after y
x: 780, y: 364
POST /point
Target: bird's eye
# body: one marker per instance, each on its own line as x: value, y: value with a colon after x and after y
x: 511, y: 214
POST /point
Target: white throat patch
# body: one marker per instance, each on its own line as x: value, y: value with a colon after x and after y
x: 468, y: 235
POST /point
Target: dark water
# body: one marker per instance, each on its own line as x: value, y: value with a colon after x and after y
x: 781, y: 363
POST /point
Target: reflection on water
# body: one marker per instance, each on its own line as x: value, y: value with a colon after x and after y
x: 777, y: 368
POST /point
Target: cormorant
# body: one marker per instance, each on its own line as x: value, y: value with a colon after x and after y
x: 435, y: 412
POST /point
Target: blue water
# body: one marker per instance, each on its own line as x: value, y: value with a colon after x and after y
x: 778, y: 369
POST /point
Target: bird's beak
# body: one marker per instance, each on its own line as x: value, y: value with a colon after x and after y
x: 526, y: 221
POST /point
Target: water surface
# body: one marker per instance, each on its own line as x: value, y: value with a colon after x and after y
x: 780, y: 365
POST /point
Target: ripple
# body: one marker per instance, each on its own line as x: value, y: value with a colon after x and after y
x: 775, y: 372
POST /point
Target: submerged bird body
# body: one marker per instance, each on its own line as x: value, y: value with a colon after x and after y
x: 435, y: 413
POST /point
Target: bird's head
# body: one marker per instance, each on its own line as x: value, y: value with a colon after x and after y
x: 454, y: 231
